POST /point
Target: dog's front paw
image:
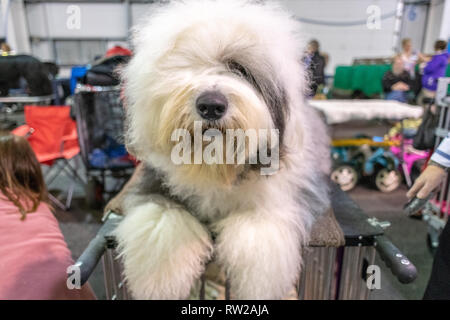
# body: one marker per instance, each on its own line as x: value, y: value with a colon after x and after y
x: 163, y: 249
x: 261, y: 255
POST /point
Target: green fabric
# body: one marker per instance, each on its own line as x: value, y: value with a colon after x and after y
x: 447, y: 74
x: 366, y: 78
x: 343, y: 77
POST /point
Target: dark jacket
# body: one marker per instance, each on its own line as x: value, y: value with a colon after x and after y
x: 389, y: 79
x: 316, y: 70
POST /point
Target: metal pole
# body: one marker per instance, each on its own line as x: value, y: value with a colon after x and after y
x: 398, y: 25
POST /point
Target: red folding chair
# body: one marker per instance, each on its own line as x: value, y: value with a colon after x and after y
x: 53, y: 137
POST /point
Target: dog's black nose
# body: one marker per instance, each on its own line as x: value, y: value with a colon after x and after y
x: 211, y: 105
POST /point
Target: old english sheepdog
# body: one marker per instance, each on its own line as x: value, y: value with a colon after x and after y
x: 226, y: 64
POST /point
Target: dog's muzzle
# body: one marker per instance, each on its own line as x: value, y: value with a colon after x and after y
x: 211, y: 105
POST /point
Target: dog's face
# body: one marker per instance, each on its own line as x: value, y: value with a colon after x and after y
x: 220, y: 69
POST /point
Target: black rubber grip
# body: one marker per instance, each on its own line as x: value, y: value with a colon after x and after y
x: 95, y: 249
x: 399, y: 264
x: 416, y: 204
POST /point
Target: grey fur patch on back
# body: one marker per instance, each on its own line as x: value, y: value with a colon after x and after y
x: 151, y: 187
x: 316, y: 202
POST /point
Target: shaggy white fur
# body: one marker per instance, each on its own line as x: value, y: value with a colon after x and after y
x: 155, y: 258
x: 182, y: 50
x: 339, y: 111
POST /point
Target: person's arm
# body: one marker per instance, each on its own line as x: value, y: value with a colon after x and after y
x: 433, y: 175
x: 435, y: 63
x: 442, y: 154
x: 421, y: 57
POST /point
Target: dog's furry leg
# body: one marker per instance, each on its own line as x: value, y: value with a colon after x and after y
x: 260, y: 254
x: 164, y: 249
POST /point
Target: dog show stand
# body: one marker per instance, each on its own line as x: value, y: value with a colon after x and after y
x: 337, y: 262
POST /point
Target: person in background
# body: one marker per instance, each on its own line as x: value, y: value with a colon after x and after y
x: 397, y: 81
x: 33, y: 254
x: 438, y: 287
x: 5, y: 49
x: 315, y: 66
x: 433, y: 70
x: 409, y: 57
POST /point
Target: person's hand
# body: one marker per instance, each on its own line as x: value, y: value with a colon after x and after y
x: 429, y: 180
x: 400, y: 86
x: 395, y: 86
x: 404, y: 87
x: 420, y: 57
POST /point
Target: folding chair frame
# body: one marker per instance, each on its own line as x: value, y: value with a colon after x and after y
x: 59, y: 165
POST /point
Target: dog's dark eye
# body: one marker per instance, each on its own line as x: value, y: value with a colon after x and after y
x: 244, y: 73
x: 238, y: 69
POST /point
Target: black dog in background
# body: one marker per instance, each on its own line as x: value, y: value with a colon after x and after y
x: 36, y: 74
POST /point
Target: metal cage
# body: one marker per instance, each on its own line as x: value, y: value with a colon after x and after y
x: 100, y: 116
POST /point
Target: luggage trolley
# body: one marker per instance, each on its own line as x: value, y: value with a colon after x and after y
x: 99, y: 115
x: 335, y: 269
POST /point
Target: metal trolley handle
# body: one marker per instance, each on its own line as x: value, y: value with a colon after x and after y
x: 94, y: 251
x: 399, y: 264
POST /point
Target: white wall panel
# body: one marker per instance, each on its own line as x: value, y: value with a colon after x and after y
x: 15, y: 25
x: 2, y: 23
x: 37, y: 23
x: 413, y: 25
x: 139, y: 11
x: 344, y: 43
x: 445, y: 25
x: 434, y: 24
x: 97, y: 20
x: 43, y: 50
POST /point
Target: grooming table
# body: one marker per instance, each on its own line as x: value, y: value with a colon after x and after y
x: 343, y: 244
x: 26, y: 100
x: 11, y: 104
x: 340, y: 111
